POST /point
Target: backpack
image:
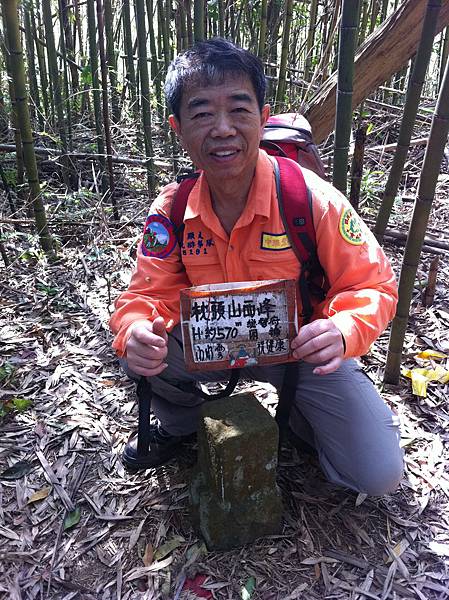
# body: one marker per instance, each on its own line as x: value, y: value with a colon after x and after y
x: 290, y: 135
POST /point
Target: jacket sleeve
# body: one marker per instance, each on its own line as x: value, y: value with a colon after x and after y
x: 362, y: 294
x: 154, y: 287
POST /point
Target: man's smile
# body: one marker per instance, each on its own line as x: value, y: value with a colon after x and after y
x: 224, y: 154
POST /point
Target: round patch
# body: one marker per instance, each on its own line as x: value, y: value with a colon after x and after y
x: 159, y: 238
x: 350, y: 228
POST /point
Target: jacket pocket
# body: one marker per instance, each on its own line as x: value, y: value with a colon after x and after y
x: 268, y: 264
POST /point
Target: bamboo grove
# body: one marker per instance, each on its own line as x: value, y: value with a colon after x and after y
x: 95, y: 68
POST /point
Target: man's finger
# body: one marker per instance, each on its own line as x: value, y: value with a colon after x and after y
x: 159, y: 328
x: 150, y: 372
x: 329, y: 367
x: 322, y: 356
x: 313, y: 345
x: 144, y: 336
x: 145, y: 363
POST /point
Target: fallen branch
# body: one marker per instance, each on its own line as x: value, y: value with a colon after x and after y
x: 388, y: 147
x: 85, y: 155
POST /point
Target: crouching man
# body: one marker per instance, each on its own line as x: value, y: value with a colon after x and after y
x: 216, y: 94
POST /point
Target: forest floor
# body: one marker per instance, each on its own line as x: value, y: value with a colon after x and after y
x: 75, y: 524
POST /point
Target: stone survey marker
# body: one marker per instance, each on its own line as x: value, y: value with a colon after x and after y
x: 232, y: 325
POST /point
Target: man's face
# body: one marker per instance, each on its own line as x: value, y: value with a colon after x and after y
x: 220, y: 127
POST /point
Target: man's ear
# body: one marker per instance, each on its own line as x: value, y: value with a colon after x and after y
x: 175, y: 125
x: 264, y: 115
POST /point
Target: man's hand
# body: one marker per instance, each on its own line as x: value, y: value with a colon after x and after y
x: 320, y: 343
x: 147, y: 347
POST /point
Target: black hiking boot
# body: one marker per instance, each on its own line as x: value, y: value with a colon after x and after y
x: 163, y: 447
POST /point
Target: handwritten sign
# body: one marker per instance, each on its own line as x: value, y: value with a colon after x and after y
x: 233, y: 325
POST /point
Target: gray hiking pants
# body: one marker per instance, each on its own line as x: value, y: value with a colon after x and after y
x: 341, y: 414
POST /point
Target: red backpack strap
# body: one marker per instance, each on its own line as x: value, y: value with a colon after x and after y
x: 178, y: 207
x: 295, y: 206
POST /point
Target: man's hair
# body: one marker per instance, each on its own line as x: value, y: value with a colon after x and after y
x: 209, y: 62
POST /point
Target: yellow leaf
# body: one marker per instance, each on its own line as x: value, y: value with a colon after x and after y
x: 148, y: 556
x: 431, y: 354
x: 421, y: 377
x: 108, y: 382
x: 39, y: 495
x: 398, y: 550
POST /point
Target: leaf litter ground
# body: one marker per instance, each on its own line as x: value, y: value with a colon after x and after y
x: 75, y: 524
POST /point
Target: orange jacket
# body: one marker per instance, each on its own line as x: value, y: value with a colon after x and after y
x: 362, y: 295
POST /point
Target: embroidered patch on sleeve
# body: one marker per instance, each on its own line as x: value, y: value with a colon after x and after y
x: 274, y: 241
x: 350, y: 228
x: 159, y: 238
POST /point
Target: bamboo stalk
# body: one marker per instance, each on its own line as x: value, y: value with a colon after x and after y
x: 10, y: 14
x: 68, y: 110
x: 156, y: 72
x: 221, y: 24
x: 363, y: 21
x: 375, y: 7
x: 42, y: 65
x: 310, y: 38
x: 280, y: 92
x: 31, y: 64
x: 429, y: 291
x: 343, y: 118
x: 130, y: 69
x: 357, y: 165
x: 198, y: 20
x: 444, y: 55
x: 54, y: 72
x: 104, y: 95
x: 426, y: 192
x: 409, y: 116
x: 13, y: 116
x: 184, y: 40
x: 164, y: 32
x: 69, y: 45
x: 111, y: 61
x: 93, y: 56
x: 263, y: 29
x: 145, y: 92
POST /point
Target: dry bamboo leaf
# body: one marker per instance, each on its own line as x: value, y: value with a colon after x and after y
x: 39, y: 495
x: 168, y: 547
x: 9, y: 534
x: 133, y: 538
x: 360, y: 499
x: 148, y: 556
x: 219, y: 585
x: 296, y: 594
x: 442, y: 549
x: 366, y: 585
x: 398, y: 550
x: 316, y: 561
x: 142, y: 571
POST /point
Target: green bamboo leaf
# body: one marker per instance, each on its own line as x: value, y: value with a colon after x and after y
x: 18, y: 470
x: 21, y: 404
x: 248, y: 589
x: 72, y: 518
x: 168, y: 547
x: 5, y: 371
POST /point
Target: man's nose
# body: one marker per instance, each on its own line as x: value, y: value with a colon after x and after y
x: 223, y: 126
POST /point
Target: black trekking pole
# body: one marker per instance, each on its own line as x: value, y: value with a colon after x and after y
x: 144, y: 393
